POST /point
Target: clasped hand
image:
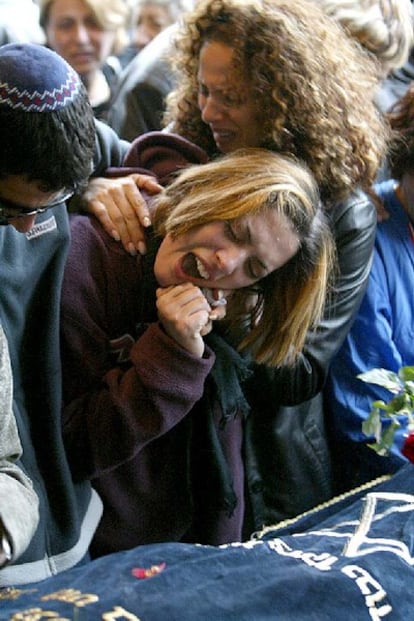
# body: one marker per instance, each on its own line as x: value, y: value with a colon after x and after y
x: 187, y: 316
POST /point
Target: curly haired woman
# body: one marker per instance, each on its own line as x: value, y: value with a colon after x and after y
x: 285, y: 76
x: 280, y: 74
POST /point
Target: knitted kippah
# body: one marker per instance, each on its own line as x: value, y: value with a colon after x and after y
x: 33, y: 78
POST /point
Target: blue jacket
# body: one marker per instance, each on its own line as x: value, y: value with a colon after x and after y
x: 381, y: 336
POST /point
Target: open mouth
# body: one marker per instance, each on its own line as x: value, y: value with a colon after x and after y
x: 193, y: 267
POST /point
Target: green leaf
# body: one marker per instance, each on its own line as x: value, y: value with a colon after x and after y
x: 372, y: 425
x: 384, y: 407
x: 382, y: 377
x: 378, y: 448
x: 402, y: 386
x: 386, y: 439
x: 399, y: 404
x: 406, y: 374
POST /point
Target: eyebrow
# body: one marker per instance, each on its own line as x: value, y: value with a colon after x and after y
x: 224, y: 88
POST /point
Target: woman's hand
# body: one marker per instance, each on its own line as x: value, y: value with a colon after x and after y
x: 187, y: 316
x: 119, y: 206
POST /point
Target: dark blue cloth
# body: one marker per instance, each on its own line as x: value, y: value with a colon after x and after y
x: 352, y: 559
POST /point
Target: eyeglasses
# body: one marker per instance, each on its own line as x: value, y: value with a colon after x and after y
x: 23, y: 212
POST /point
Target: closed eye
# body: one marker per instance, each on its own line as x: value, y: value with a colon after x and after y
x: 254, y: 268
x: 231, y: 233
x: 222, y: 98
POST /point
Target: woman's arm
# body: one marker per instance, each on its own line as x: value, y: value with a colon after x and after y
x: 122, y: 389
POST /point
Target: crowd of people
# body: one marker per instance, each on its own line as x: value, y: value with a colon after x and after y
x: 206, y: 234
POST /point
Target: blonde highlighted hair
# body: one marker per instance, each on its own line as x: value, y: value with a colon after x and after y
x: 290, y: 300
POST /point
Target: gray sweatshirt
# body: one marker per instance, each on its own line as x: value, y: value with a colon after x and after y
x: 18, y: 502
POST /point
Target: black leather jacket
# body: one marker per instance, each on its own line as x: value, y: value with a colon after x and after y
x: 286, y: 447
x: 139, y: 103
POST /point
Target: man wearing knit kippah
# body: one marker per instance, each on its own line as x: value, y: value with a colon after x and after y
x: 49, y: 146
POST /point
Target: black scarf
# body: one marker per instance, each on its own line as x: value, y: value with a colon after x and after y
x: 215, y: 490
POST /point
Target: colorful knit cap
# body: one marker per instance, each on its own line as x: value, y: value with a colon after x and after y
x: 33, y: 78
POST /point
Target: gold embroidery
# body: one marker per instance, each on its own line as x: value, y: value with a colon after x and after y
x: 119, y: 613
x: 36, y: 614
x: 72, y: 596
x: 12, y: 593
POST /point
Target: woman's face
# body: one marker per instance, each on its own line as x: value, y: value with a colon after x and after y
x: 225, y: 101
x: 151, y: 20
x: 74, y: 32
x: 227, y: 255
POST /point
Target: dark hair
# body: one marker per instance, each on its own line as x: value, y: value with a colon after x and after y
x: 401, y: 146
x: 53, y: 148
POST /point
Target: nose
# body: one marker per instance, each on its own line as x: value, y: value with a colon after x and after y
x: 211, y: 111
x: 230, y: 259
x: 82, y: 33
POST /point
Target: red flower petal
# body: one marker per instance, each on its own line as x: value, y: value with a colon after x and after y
x: 142, y: 572
x: 408, y: 448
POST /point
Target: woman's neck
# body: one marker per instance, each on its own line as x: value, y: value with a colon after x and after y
x: 97, y: 86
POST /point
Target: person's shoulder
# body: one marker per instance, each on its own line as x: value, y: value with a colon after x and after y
x: 87, y: 234
x: 356, y: 210
x: 84, y: 228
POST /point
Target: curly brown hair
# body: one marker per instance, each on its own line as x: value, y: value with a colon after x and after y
x: 315, y: 86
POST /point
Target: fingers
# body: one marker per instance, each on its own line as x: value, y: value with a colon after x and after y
x: 121, y: 209
x: 130, y: 215
x: 147, y: 183
x: 184, y: 313
x: 207, y: 328
x: 218, y: 302
x: 180, y: 303
x: 98, y: 209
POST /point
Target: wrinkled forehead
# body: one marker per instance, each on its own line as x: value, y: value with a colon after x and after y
x: 220, y: 61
